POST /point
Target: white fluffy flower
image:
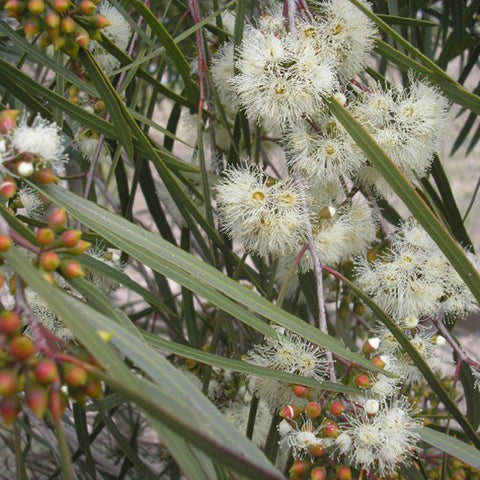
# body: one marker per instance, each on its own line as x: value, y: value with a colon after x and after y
x: 302, y: 439
x: 238, y: 412
x: 281, y: 77
x: 349, y: 33
x: 415, y: 278
x: 289, y: 353
x: 41, y: 139
x: 87, y: 144
x: 31, y: 202
x: 382, y: 441
x: 267, y: 217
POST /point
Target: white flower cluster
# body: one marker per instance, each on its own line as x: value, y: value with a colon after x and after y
x: 414, y: 278
x: 285, y: 74
x: 408, y: 124
x: 381, y: 440
x: 266, y: 216
x: 289, y: 353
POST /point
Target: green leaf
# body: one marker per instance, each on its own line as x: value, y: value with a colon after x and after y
x: 452, y: 446
x: 191, y: 272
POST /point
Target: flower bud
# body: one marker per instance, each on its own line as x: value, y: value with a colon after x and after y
x: 9, y: 410
x: 300, y: 391
x: 46, y: 372
x: 25, y: 169
x: 5, y: 243
x: 327, y: 213
x: 22, y: 348
x: 378, y: 362
x: 93, y: 389
x: 36, y: 7
x: 290, y: 411
x: 362, y: 380
x: 318, y: 473
x: 87, y: 7
x: 313, y: 410
x: 371, y: 407
x: 299, y: 469
x: 49, y: 261
x: 8, y: 188
x: 67, y: 25
x: 100, y: 21
x: 344, y: 473
x: 70, y: 238
x: 56, y: 403
x: 336, y: 408
x: 440, y: 341
x: 45, y: 236
x: 371, y: 345
x: 330, y: 429
x: 31, y: 27
x: 10, y: 323
x: 74, y: 375
x: 14, y: 6
x: 52, y: 21
x: 45, y: 176
x: 81, y: 247
x: 60, y: 6
x: 317, y: 450
x: 81, y: 37
x: 37, y: 400
x: 71, y: 269
x: 8, y: 383
x: 57, y: 220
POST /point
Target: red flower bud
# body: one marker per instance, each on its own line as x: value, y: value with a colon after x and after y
x: 67, y: 25
x: 299, y: 469
x: 49, y: 261
x: 378, y: 362
x: 344, y: 473
x: 8, y: 383
x: 336, y: 408
x: 70, y: 238
x: 290, y: 411
x: 57, y: 220
x: 46, y: 372
x: 317, y: 450
x: 74, y: 375
x: 82, y: 38
x: 45, y: 236
x: 9, y: 410
x: 31, y: 27
x: 300, y: 391
x: 60, y: 6
x: 37, y: 400
x: 22, y: 348
x: 362, y: 380
x: 8, y: 188
x: 72, y: 269
x: 36, y: 7
x: 318, y: 473
x: 87, y: 7
x: 45, y: 176
x: 10, y: 323
x: 330, y: 429
x: 81, y: 247
x: 52, y: 21
x: 100, y: 21
x: 93, y: 389
x: 5, y: 243
x: 313, y: 409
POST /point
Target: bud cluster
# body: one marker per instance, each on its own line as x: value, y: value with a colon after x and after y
x: 65, y: 24
x: 57, y: 241
x: 310, y: 431
x: 39, y: 383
